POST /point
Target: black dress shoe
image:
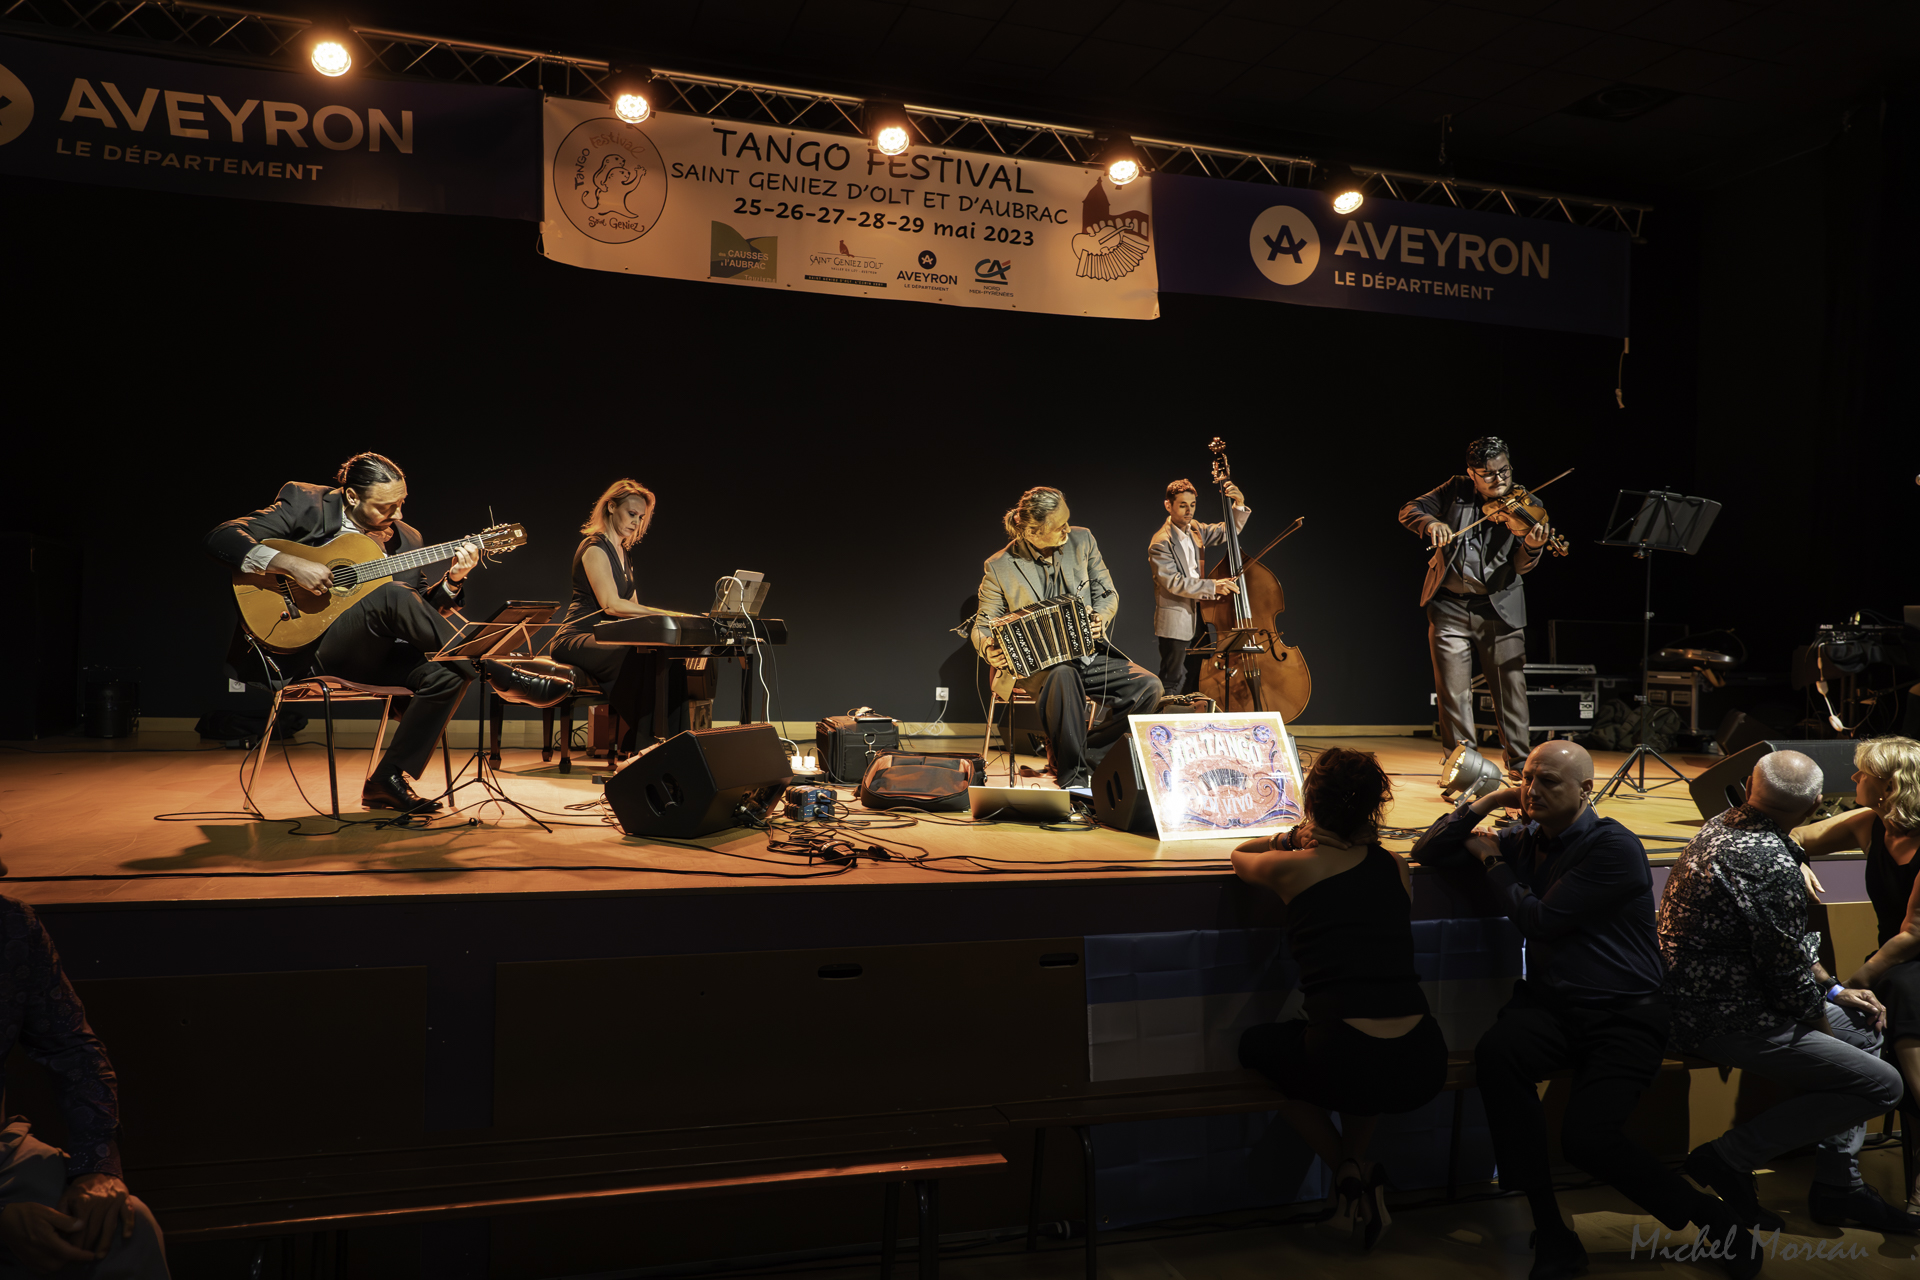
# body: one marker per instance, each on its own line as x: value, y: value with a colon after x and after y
x: 390, y: 790
x: 1557, y: 1255
x: 1861, y: 1206
x: 1735, y: 1186
x: 532, y: 682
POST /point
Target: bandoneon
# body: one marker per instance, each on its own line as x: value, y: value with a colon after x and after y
x: 1045, y: 634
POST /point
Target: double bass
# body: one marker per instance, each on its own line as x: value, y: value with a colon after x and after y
x: 1252, y: 668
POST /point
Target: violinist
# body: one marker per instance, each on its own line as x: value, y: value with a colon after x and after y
x: 1474, y: 597
x: 1175, y: 557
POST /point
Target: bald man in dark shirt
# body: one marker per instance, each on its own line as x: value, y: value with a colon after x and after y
x: 1578, y: 887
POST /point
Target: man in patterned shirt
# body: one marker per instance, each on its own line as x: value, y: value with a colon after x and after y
x: 60, y: 1211
x: 1747, y: 990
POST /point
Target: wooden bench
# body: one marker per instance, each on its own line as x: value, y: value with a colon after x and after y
x: 323, y: 1196
x: 1237, y: 1093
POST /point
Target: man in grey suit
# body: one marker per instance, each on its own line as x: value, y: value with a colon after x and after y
x: 1474, y: 598
x: 1176, y: 558
x: 1048, y: 558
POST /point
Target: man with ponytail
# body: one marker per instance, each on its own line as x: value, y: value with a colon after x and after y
x: 1048, y: 558
x: 386, y: 636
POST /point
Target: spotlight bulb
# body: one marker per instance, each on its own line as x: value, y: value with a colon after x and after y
x: 1123, y: 171
x: 1342, y: 186
x: 330, y: 58
x: 632, y: 107
x: 890, y: 141
x: 1347, y: 201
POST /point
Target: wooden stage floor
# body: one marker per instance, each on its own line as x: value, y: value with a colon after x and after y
x: 78, y: 824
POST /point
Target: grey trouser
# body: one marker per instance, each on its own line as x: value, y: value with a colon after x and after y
x: 1842, y: 1083
x: 30, y: 1170
x: 1455, y: 632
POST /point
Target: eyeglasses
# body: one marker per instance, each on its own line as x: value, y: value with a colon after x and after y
x: 1481, y: 473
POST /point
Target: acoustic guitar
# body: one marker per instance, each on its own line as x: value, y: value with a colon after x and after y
x: 284, y: 616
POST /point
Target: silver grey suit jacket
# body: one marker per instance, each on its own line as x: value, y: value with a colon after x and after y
x: 1013, y: 580
x: 1173, y: 591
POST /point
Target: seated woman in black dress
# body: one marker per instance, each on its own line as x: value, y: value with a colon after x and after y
x: 1369, y: 1044
x: 603, y: 588
x: 1886, y: 782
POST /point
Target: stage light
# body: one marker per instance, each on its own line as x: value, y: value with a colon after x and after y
x: 1345, y: 188
x: 330, y: 57
x: 888, y: 126
x: 1121, y: 159
x: 1468, y: 773
x: 630, y: 90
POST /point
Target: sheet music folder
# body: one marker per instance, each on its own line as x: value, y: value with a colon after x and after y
x: 508, y: 632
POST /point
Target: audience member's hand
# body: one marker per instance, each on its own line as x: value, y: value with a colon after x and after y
x: 1814, y: 887
x: 1861, y: 998
x: 1507, y: 798
x: 1483, y: 848
x: 1303, y: 837
x: 99, y: 1202
x: 35, y: 1236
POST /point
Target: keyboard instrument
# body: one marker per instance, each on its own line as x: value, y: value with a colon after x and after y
x: 696, y: 634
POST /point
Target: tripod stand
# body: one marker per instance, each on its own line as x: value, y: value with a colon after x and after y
x: 1663, y: 522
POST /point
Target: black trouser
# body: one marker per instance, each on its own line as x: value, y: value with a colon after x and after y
x: 1062, y: 693
x: 1615, y: 1054
x: 1180, y: 672
x: 383, y: 639
x: 626, y: 674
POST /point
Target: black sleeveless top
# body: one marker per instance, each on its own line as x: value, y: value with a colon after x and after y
x: 585, y: 604
x: 1351, y: 935
x: 1889, y: 885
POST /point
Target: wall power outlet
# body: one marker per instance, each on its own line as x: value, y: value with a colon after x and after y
x: 940, y: 693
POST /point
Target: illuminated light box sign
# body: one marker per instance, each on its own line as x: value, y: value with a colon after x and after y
x: 87, y: 115
x: 700, y: 199
x: 1286, y: 244
x: 1218, y: 774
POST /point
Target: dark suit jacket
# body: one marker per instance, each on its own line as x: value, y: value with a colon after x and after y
x: 311, y: 515
x: 1457, y: 505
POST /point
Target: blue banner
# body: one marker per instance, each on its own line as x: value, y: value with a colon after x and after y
x: 86, y: 115
x: 1286, y: 244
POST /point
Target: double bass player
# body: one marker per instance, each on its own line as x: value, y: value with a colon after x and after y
x: 1176, y: 557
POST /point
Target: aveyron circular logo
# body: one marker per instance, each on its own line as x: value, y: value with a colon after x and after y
x: 16, y: 107
x: 1284, y: 244
x: 610, y: 179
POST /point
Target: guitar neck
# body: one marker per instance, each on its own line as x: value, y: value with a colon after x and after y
x: 408, y: 561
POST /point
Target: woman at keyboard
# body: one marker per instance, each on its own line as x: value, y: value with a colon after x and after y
x: 604, y: 587
x: 1368, y: 1044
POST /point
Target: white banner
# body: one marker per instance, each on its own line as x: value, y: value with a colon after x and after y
x: 701, y: 199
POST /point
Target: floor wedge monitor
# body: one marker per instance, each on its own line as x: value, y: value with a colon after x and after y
x: 1725, y: 784
x: 1120, y: 796
x: 693, y: 783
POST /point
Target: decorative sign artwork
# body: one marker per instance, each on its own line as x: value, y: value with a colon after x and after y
x: 1219, y: 774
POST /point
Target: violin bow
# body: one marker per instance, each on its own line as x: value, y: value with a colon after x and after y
x: 1537, y: 488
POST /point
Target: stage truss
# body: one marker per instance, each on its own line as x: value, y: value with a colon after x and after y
x: 250, y: 37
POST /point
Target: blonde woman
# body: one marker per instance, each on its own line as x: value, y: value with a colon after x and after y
x: 1886, y: 782
x: 604, y: 589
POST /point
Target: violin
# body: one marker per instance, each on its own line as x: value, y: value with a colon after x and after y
x: 1252, y: 668
x: 1520, y: 511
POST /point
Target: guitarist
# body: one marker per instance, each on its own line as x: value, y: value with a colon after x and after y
x: 385, y: 637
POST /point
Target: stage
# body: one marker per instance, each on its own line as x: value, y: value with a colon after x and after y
x: 80, y: 827
x: 291, y: 988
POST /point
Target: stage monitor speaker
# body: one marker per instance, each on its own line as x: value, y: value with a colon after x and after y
x: 1120, y: 796
x: 694, y: 783
x: 1724, y: 785
x: 1738, y: 731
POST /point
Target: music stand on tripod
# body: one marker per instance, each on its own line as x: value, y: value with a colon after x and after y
x: 1663, y: 522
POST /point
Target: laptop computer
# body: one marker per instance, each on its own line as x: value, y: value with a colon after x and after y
x: 1020, y: 804
x: 740, y: 595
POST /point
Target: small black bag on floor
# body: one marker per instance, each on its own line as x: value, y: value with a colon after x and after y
x: 847, y: 744
x: 934, y: 781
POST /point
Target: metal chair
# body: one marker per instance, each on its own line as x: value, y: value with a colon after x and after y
x: 326, y: 690
x: 1016, y: 697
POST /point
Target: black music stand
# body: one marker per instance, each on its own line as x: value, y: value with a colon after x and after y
x: 1662, y: 522
x: 509, y: 632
